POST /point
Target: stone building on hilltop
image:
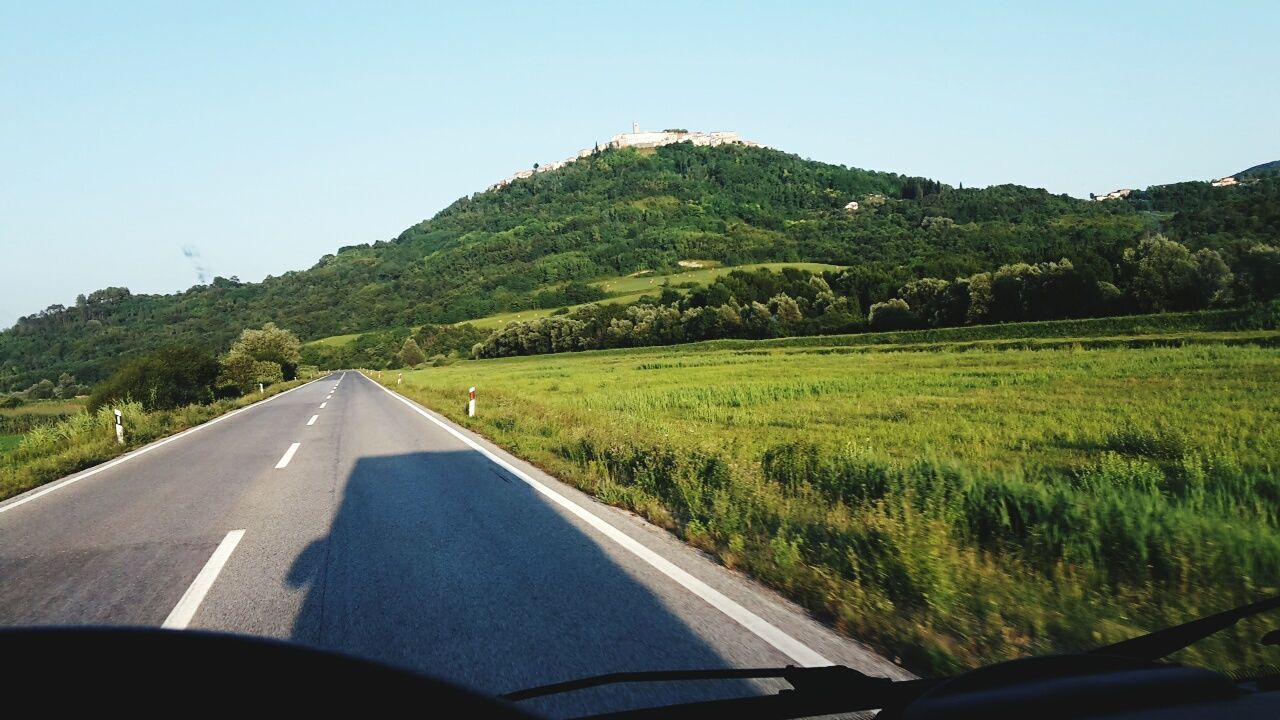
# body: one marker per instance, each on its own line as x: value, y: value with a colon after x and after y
x: 638, y: 139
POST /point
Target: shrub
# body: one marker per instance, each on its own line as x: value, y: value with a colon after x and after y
x: 267, y: 372
x: 410, y: 354
x: 892, y: 314
x: 271, y: 344
x: 42, y: 390
x: 168, y: 378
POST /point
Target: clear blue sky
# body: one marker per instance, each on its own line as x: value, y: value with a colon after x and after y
x: 265, y: 135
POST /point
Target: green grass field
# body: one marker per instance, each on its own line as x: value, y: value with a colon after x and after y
x: 335, y: 340
x: 45, y: 407
x: 652, y: 284
x: 9, y: 442
x: 980, y: 497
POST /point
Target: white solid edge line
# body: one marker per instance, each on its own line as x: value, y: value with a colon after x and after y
x: 783, y: 642
x: 186, y: 608
x: 288, y: 455
x: 312, y: 421
x: 140, y: 451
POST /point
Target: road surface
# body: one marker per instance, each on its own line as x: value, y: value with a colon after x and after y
x: 342, y: 516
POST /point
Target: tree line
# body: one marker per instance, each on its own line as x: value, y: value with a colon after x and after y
x: 1157, y: 275
x: 178, y: 375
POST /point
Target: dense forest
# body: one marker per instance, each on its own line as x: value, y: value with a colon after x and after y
x: 538, y: 241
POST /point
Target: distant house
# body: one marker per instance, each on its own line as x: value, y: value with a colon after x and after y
x: 1113, y: 195
x: 851, y: 206
x: 1227, y: 181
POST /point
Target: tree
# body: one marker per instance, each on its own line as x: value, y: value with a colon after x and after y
x: 271, y: 344
x: 785, y: 309
x: 267, y: 372
x: 1258, y: 277
x: 42, y: 390
x: 1213, y: 279
x: 892, y: 314
x: 1169, y: 277
x: 168, y: 378
x: 238, y: 371
x: 933, y: 302
x: 410, y: 354
x: 67, y: 388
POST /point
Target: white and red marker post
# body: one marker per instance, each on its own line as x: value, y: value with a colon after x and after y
x: 471, y: 402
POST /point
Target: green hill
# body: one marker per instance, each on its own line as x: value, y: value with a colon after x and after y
x: 541, y: 242
x: 1273, y: 166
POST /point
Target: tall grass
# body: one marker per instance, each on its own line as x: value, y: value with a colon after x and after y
x: 951, y: 508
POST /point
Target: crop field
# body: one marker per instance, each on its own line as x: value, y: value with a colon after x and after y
x: 948, y: 501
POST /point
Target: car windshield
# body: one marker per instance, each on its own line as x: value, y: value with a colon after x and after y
x: 516, y: 344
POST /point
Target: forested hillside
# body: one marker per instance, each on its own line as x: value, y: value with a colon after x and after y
x: 536, y: 243
x: 1268, y: 167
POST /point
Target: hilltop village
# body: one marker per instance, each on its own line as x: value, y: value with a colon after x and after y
x: 637, y: 139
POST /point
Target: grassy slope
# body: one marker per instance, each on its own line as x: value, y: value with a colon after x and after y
x: 652, y: 284
x: 659, y: 430
x: 335, y: 340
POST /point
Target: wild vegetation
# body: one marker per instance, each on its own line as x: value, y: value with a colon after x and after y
x: 174, y: 376
x: 542, y: 241
x: 952, y: 496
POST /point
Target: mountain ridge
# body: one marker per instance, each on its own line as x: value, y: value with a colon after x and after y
x: 539, y: 241
x: 1273, y: 166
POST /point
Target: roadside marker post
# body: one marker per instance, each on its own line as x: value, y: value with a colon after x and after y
x: 119, y: 427
x: 471, y: 402
x: 260, y: 390
x: 399, y: 378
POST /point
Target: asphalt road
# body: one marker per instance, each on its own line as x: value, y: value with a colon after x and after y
x: 389, y: 536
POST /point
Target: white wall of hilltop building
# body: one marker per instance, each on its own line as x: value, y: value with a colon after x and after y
x: 638, y: 139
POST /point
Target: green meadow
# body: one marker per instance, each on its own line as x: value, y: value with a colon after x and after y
x: 643, y: 283
x: 951, y: 498
x: 9, y: 442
